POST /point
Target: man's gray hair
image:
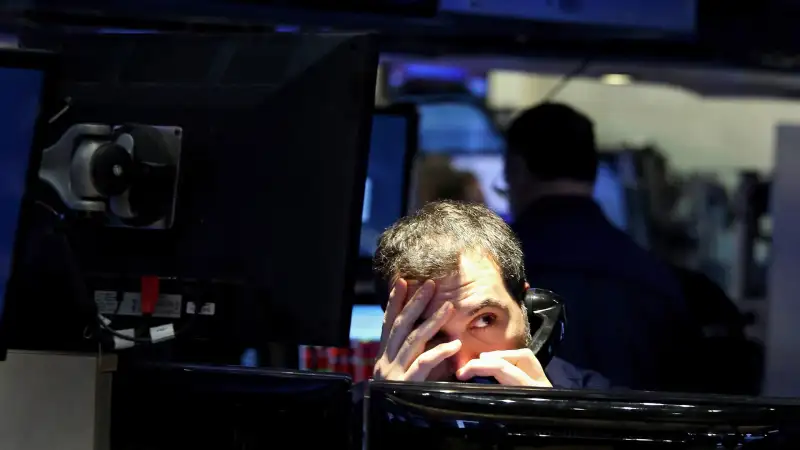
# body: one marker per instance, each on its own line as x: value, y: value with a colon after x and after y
x: 428, y: 244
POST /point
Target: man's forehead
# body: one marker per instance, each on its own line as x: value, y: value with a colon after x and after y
x: 463, y: 298
x: 454, y: 288
x: 477, y: 280
x: 473, y: 267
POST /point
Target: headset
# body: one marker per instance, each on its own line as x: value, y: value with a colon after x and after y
x: 547, y: 309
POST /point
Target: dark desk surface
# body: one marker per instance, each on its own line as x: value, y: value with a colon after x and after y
x: 437, y: 415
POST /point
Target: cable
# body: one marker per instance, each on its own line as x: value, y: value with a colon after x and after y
x: 101, y: 322
x: 564, y: 81
x: 62, y: 111
x: 49, y: 209
x: 81, y: 289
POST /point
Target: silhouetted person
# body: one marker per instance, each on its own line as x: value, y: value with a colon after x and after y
x: 627, y: 316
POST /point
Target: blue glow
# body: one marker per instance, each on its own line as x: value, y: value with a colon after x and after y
x: 125, y: 31
x: 366, y: 211
x: 366, y: 323
x: 287, y: 29
x: 249, y: 358
x: 433, y: 72
x: 396, y: 78
x: 609, y: 192
x: 478, y: 86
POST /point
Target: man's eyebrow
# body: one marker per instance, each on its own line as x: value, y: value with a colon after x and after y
x: 485, y: 303
x: 474, y: 308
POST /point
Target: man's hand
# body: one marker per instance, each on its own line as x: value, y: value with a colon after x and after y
x: 402, y: 355
x: 508, y: 367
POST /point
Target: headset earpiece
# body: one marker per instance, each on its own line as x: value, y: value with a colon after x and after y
x: 546, y: 308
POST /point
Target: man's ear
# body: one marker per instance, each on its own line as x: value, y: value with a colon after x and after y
x: 527, y: 285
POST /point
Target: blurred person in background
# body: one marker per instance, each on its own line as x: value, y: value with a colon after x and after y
x: 628, y: 317
x: 460, y: 186
x: 438, y: 180
x: 473, y: 193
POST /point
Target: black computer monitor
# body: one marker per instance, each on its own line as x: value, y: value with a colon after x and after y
x: 452, y: 415
x: 392, y: 149
x: 151, y: 12
x: 274, y: 132
x: 164, y: 407
x: 25, y: 90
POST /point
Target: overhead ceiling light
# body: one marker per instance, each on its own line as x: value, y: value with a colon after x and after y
x: 616, y: 79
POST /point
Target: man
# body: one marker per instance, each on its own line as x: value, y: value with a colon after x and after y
x: 455, y: 309
x: 628, y: 318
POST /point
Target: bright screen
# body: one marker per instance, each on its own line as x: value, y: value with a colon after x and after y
x: 489, y: 171
x: 609, y: 192
x: 20, y: 91
x: 366, y: 323
x: 384, y: 189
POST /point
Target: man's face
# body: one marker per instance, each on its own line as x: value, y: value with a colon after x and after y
x: 486, y: 317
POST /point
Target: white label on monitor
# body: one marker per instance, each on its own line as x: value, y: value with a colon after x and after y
x: 208, y: 309
x: 106, y: 301
x: 162, y: 333
x: 122, y: 344
x: 168, y: 306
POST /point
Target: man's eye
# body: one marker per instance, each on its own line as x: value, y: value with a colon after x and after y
x: 484, y: 321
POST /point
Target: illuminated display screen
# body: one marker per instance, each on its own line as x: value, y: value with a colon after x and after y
x: 20, y: 90
x: 384, y: 190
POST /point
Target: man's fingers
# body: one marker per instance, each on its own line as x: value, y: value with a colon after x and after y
x: 404, y: 322
x: 397, y: 298
x: 522, y: 358
x: 422, y: 366
x: 504, y: 372
x: 501, y: 370
x: 417, y: 340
